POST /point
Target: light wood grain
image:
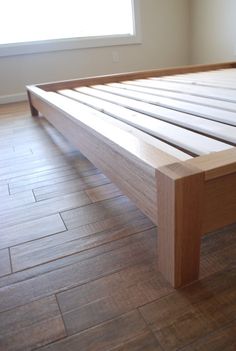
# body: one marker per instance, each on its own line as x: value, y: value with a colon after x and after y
x: 179, y: 96
x: 132, y: 75
x: 213, y: 93
x: 180, y: 137
x: 134, y: 162
x: 191, y: 109
x: 179, y: 208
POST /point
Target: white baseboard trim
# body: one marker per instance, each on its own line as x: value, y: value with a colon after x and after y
x: 7, y: 99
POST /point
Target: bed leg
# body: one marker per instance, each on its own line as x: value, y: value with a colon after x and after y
x: 180, y: 192
x: 33, y: 110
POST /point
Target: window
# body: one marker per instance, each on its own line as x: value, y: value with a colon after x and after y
x: 46, y: 25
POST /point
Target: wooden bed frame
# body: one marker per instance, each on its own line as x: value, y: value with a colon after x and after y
x: 186, y: 198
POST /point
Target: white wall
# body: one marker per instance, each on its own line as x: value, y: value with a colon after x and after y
x: 213, y: 25
x: 165, y: 42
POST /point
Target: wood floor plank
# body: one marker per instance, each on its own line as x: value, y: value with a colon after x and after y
x: 130, y: 251
x: 22, y: 317
x: 211, y: 264
x: 112, y: 305
x: 31, y: 230
x: 33, y: 325
x: 103, y: 337
x: 14, y: 156
x: 24, y: 166
x: 15, y: 171
x: 4, y: 190
x: 43, y: 209
x: 77, y: 240
x: 193, y: 312
x: 98, y: 211
x: 106, y: 286
x: 218, y: 251
x: 222, y: 339
x: 103, y: 192
x: 70, y: 186
x: 5, y: 264
x: 9, y: 202
x: 47, y: 178
x: 71, y: 259
x: 143, y: 342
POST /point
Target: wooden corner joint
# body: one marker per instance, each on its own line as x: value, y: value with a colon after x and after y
x: 180, y: 196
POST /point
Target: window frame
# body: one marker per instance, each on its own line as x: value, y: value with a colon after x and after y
x: 76, y: 43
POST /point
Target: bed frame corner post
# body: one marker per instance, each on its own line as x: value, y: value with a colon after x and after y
x: 180, y: 192
x: 33, y: 110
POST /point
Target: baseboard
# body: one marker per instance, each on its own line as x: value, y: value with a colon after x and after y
x: 7, y: 99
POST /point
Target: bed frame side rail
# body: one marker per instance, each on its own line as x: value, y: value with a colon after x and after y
x: 75, y: 83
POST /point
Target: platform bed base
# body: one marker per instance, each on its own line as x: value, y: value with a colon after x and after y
x: 184, y: 196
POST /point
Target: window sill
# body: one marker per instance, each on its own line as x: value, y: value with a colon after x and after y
x: 67, y: 44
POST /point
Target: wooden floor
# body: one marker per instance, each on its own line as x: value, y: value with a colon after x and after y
x: 77, y: 259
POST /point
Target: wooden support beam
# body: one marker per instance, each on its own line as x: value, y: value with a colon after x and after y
x: 180, y: 199
x: 33, y: 110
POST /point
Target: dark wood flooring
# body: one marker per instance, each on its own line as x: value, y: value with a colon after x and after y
x: 77, y: 259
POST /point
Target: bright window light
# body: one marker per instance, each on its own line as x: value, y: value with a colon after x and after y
x: 24, y: 21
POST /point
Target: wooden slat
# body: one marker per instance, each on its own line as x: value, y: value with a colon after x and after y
x: 121, y: 139
x: 190, y: 108
x: 201, y: 81
x: 204, y: 80
x: 133, y: 131
x: 149, y: 139
x: 203, y: 125
x: 180, y: 137
x: 214, y: 93
x: 219, y: 104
